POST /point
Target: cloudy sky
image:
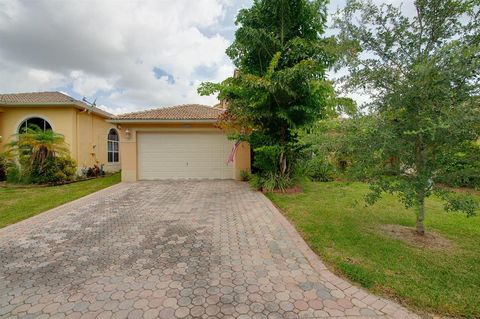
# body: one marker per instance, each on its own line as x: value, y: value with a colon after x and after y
x: 129, y: 54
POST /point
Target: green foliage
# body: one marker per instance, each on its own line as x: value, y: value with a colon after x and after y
x: 329, y: 145
x: 56, y: 170
x: 39, y: 157
x: 351, y: 238
x: 270, y: 181
x: 3, y: 167
x: 245, y: 176
x: 460, y: 166
x: 93, y: 171
x: 256, y: 182
x: 422, y: 74
x: 319, y: 170
x: 266, y: 158
x: 269, y: 176
x: 280, y: 84
x: 14, y: 174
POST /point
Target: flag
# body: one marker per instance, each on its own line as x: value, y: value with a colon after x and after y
x: 231, y: 157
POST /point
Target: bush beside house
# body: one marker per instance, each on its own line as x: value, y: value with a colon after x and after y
x: 3, y: 167
x: 38, y: 157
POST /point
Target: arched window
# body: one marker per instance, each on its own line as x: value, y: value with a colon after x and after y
x: 113, y: 147
x: 34, y: 122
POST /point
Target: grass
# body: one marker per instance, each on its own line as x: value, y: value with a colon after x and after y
x: 335, y: 222
x: 19, y: 203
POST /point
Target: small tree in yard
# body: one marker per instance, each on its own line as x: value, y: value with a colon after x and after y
x: 280, y: 84
x: 43, y: 157
x: 422, y: 74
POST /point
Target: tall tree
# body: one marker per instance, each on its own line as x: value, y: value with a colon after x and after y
x: 421, y: 72
x: 281, y: 60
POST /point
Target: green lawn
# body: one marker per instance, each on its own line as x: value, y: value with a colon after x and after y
x: 17, y: 204
x: 334, y: 221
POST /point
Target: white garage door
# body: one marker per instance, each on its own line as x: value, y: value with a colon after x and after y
x: 174, y: 155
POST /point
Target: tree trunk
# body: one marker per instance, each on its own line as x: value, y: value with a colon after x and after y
x: 420, y: 165
x: 283, y: 163
x: 421, y: 214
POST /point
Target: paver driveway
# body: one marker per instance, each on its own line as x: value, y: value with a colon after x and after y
x: 171, y: 249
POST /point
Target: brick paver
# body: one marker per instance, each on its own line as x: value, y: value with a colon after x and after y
x: 171, y: 249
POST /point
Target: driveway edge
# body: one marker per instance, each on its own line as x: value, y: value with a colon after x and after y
x: 359, y: 295
x: 74, y: 202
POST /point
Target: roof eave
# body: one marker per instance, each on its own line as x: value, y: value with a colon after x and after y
x: 73, y: 104
x: 35, y: 103
x: 140, y: 121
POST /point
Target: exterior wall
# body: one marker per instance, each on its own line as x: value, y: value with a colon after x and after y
x: 2, y: 138
x: 85, y: 134
x: 61, y: 119
x: 128, y: 146
x: 92, y: 131
x: 242, y: 160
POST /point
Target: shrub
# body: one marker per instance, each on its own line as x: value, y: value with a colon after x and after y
x: 55, y: 170
x: 461, y: 167
x: 270, y: 181
x: 256, y: 182
x: 3, y: 167
x: 41, y: 157
x: 266, y: 158
x: 245, y: 176
x: 93, y: 171
x: 319, y: 170
x: 14, y: 174
x: 271, y: 173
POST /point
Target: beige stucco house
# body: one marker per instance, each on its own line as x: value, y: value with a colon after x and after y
x: 178, y: 142
x: 166, y: 143
x: 85, y: 128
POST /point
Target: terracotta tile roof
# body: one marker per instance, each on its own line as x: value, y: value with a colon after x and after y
x: 180, y: 112
x: 36, y: 97
x: 54, y: 98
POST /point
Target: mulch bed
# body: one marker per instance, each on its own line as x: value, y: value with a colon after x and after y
x: 430, y: 240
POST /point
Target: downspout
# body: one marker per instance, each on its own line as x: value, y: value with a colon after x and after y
x: 77, y: 132
x: 76, y: 138
x: 92, y: 140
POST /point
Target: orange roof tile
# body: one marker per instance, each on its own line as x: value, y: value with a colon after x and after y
x: 45, y: 98
x: 180, y: 112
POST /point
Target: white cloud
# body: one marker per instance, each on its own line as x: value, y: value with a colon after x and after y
x: 88, y: 85
x: 109, y: 48
x: 17, y: 78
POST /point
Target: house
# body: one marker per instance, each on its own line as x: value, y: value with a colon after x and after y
x: 90, y: 138
x: 165, y: 143
x: 178, y: 142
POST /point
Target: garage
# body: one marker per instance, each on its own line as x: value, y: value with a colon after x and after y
x: 179, y: 142
x: 179, y: 155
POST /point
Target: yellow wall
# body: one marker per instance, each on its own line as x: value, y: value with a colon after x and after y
x: 81, y: 130
x: 128, y: 146
x: 242, y: 160
x: 92, y: 141
x: 2, y: 138
x: 61, y: 120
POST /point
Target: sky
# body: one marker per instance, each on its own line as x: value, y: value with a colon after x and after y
x: 129, y: 55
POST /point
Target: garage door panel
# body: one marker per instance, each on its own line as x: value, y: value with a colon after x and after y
x: 183, y: 155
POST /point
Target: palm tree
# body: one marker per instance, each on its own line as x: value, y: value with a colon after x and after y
x: 37, y: 145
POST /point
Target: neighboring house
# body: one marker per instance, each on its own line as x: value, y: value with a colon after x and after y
x: 166, y: 143
x: 90, y: 138
x: 178, y: 142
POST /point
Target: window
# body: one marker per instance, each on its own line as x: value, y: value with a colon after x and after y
x: 113, y: 146
x: 34, y: 122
